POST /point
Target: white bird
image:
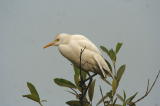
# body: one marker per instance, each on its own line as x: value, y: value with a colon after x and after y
x: 70, y: 47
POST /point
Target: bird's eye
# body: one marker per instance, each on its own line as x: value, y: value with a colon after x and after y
x: 57, y: 39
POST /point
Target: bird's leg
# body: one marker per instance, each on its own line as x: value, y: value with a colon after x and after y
x: 90, y: 77
x: 82, y: 82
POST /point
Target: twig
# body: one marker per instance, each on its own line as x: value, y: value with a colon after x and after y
x: 102, y: 95
x: 154, y: 82
x: 82, y: 50
x: 74, y: 91
x: 148, y: 90
x: 40, y: 104
x: 81, y: 77
x: 147, y: 86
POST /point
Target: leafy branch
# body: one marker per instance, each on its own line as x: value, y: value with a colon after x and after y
x: 83, y: 86
x: 34, y: 94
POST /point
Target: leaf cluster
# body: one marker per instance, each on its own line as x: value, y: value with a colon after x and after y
x: 108, y: 98
x: 33, y: 94
x: 75, y: 88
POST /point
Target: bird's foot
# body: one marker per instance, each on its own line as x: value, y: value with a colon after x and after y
x: 81, y: 83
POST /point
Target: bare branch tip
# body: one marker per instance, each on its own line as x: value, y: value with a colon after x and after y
x: 148, y: 89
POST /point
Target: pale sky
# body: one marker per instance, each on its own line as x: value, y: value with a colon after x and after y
x: 27, y: 25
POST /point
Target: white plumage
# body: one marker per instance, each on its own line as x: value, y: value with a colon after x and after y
x: 70, y: 47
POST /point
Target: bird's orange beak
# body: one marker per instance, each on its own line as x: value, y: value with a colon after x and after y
x: 49, y: 44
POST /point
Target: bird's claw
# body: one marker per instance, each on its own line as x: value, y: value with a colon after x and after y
x: 81, y: 83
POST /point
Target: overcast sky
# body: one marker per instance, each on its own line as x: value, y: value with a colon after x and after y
x: 27, y: 25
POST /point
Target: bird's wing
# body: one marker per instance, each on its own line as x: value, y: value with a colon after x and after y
x: 83, y: 42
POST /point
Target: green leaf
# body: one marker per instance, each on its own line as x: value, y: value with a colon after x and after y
x: 84, y: 74
x: 32, y: 97
x: 114, y: 86
x: 108, y: 94
x: 124, y: 95
x: 109, y: 65
x: 76, y: 80
x: 32, y: 89
x: 124, y: 104
x: 114, y: 102
x: 101, y: 100
x: 34, y: 94
x: 118, y: 46
x: 112, y: 55
x: 120, y: 97
x: 131, y: 98
x: 76, y: 75
x: 106, y: 81
x: 120, y: 72
x: 77, y: 72
x: 91, y: 90
x: 104, y: 49
x: 73, y: 103
x: 64, y: 83
x: 73, y: 93
x: 43, y: 100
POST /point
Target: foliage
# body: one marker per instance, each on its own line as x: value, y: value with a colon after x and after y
x: 83, y: 86
x: 33, y: 93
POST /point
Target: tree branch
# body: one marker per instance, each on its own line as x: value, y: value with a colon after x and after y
x: 148, y: 90
x: 82, y: 84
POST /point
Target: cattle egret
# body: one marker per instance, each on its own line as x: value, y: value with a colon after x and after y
x: 70, y: 47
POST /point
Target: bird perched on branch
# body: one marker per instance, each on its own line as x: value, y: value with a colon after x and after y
x: 70, y: 47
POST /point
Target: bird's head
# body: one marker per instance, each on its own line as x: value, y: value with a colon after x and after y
x: 62, y: 38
